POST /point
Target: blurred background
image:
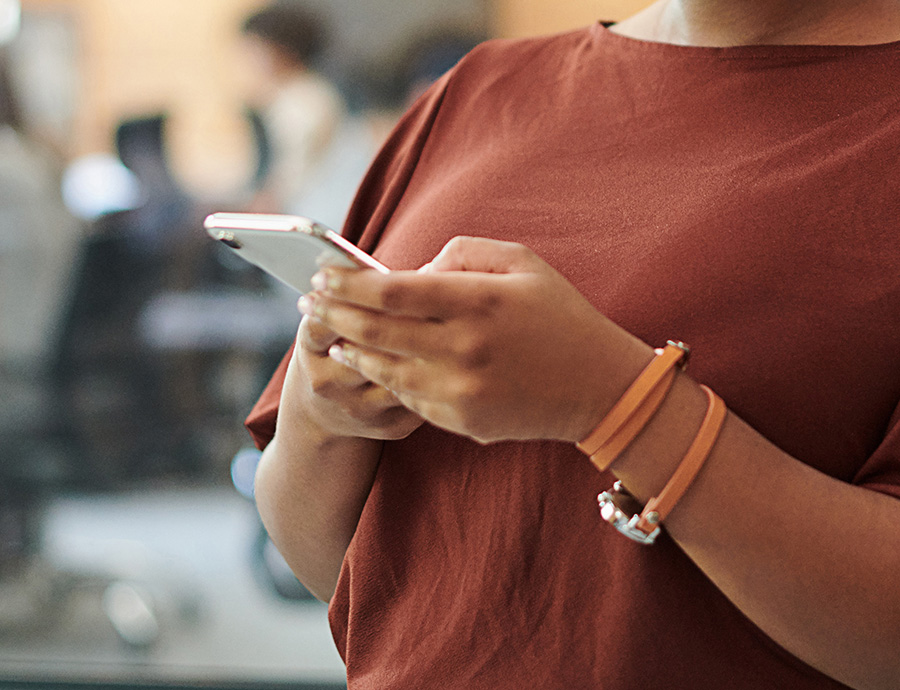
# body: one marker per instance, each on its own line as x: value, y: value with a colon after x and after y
x: 132, y: 346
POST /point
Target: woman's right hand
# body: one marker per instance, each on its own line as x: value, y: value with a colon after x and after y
x: 340, y: 401
x: 315, y: 476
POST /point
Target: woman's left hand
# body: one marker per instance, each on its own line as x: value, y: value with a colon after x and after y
x: 487, y: 341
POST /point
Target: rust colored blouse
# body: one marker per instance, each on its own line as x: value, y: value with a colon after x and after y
x: 763, y: 183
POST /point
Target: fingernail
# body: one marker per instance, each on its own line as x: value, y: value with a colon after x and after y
x: 305, y: 305
x: 336, y: 352
x: 319, y: 281
x: 332, y: 280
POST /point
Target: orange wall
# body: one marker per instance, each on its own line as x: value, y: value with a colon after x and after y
x: 140, y: 56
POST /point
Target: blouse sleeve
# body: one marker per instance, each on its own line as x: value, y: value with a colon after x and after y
x: 377, y: 197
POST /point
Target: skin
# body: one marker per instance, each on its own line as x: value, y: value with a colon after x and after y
x: 771, y: 22
x: 378, y: 354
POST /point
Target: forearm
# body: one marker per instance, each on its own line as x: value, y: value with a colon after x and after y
x: 811, y: 560
x: 311, y: 487
x: 316, y: 474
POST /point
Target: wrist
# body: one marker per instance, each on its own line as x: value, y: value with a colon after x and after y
x: 649, y: 462
x: 611, y: 377
x: 305, y: 432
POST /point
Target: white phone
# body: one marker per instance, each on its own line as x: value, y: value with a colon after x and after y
x: 291, y: 248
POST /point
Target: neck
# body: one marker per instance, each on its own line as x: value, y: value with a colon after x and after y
x: 773, y: 22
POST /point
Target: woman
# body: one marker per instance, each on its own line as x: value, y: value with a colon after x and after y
x: 300, y: 110
x: 719, y: 173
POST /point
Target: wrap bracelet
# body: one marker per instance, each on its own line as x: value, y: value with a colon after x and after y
x: 621, y: 509
x: 635, y: 408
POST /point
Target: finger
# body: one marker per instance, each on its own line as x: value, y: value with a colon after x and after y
x: 383, y: 407
x: 411, y: 409
x: 316, y: 337
x: 399, y: 376
x: 373, y: 408
x: 393, y: 422
x: 365, y: 401
x: 404, y: 293
x: 480, y: 254
x: 330, y: 380
x: 397, y: 335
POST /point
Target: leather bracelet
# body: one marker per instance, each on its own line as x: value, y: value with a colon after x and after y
x: 645, y: 527
x: 635, y: 408
x: 606, y: 454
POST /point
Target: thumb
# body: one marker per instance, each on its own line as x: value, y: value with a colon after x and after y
x: 483, y: 255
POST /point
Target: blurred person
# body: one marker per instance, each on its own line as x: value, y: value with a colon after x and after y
x: 38, y: 238
x: 719, y: 172
x: 39, y: 245
x: 397, y: 83
x: 301, y: 110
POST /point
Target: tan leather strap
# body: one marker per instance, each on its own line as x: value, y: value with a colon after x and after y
x: 659, y: 507
x: 639, y: 397
x: 604, y: 456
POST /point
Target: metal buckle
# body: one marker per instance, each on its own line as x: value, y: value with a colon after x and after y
x: 620, y: 509
x: 685, y: 348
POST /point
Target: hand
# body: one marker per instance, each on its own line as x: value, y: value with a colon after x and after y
x: 488, y: 341
x: 339, y: 400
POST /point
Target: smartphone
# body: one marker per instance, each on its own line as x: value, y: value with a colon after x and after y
x: 291, y: 248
